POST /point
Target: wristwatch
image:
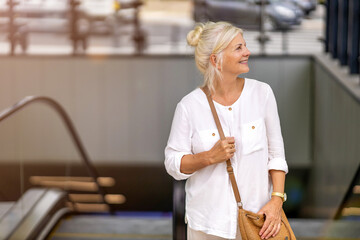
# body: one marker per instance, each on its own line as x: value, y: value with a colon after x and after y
x: 279, y: 194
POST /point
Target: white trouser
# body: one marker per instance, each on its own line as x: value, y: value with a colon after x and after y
x: 198, y: 235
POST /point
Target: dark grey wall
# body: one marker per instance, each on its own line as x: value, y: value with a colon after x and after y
x: 123, y: 106
x: 336, y: 136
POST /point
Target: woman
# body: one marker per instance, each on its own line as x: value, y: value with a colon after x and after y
x: 248, y: 114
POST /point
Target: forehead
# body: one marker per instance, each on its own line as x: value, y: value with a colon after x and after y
x: 237, y: 40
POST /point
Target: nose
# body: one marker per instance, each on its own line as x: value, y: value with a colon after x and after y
x: 247, y: 52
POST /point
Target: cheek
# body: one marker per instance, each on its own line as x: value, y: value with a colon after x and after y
x: 234, y: 58
x: 240, y: 54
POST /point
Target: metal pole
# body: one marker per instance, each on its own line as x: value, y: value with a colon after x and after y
x: 354, y: 36
x: 138, y: 35
x: 74, y: 33
x: 262, y: 38
x: 262, y: 30
x: 285, y: 42
x: 327, y: 26
x: 12, y: 27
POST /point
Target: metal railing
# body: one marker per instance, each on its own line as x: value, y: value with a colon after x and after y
x: 70, y: 127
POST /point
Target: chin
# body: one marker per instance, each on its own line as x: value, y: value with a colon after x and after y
x: 244, y: 71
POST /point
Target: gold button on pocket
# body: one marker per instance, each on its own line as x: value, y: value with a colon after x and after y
x: 208, y: 138
x: 252, y: 135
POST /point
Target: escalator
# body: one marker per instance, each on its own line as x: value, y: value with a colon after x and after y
x: 73, y: 207
x: 43, y: 213
x: 31, y: 216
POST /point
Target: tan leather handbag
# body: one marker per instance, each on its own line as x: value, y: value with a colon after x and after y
x: 249, y: 223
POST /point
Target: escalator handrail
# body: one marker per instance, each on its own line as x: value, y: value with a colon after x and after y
x: 70, y: 127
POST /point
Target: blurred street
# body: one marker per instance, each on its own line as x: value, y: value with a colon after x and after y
x: 166, y: 24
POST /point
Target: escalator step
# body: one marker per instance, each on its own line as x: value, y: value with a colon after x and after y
x: 88, y: 207
x: 103, y: 181
x: 71, y: 185
x: 97, y: 198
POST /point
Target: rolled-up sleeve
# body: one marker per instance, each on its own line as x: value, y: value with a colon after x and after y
x: 276, y: 150
x: 179, y: 143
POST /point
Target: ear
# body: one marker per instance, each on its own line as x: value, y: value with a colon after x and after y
x: 213, y: 60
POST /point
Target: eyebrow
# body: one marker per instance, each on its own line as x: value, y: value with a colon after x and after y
x: 239, y: 44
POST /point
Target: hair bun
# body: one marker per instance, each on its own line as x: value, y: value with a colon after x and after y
x: 193, y: 36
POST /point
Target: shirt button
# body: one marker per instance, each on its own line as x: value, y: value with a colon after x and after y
x: 213, y: 134
x: 230, y: 108
x: 253, y: 127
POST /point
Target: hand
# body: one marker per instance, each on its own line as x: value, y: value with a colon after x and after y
x: 272, y: 211
x: 222, y: 150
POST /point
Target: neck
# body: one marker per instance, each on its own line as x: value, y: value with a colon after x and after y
x: 227, y: 86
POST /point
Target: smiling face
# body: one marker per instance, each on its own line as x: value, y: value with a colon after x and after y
x: 235, y: 57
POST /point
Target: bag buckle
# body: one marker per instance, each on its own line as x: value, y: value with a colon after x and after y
x: 240, y: 204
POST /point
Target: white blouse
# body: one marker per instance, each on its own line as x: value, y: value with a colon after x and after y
x: 254, y: 122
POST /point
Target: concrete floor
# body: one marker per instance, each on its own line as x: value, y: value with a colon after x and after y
x: 160, y: 227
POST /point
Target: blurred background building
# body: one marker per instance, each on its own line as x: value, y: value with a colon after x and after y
x: 85, y: 159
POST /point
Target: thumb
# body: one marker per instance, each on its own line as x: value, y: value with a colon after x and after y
x: 261, y: 212
x: 230, y: 139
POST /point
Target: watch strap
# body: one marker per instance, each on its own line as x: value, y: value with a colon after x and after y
x: 279, y: 194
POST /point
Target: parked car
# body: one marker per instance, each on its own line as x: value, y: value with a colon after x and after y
x: 307, y: 6
x: 280, y: 14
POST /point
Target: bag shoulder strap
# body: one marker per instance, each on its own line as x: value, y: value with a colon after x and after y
x: 229, y: 167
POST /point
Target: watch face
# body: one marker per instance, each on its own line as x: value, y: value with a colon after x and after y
x: 285, y: 197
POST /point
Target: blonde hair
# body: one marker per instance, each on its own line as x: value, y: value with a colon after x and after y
x: 211, y: 38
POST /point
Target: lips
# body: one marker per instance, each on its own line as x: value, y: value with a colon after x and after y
x: 244, y: 62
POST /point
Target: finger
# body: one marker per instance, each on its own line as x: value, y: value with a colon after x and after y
x: 277, y: 230
x: 229, y: 155
x: 267, y: 231
x: 231, y: 146
x: 227, y: 142
x: 230, y: 151
x: 264, y: 227
x: 273, y: 230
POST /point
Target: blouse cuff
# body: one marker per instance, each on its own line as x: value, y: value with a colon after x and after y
x: 278, y: 164
x: 179, y: 175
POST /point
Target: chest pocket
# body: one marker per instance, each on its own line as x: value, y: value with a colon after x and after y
x: 252, y: 136
x: 208, y: 138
